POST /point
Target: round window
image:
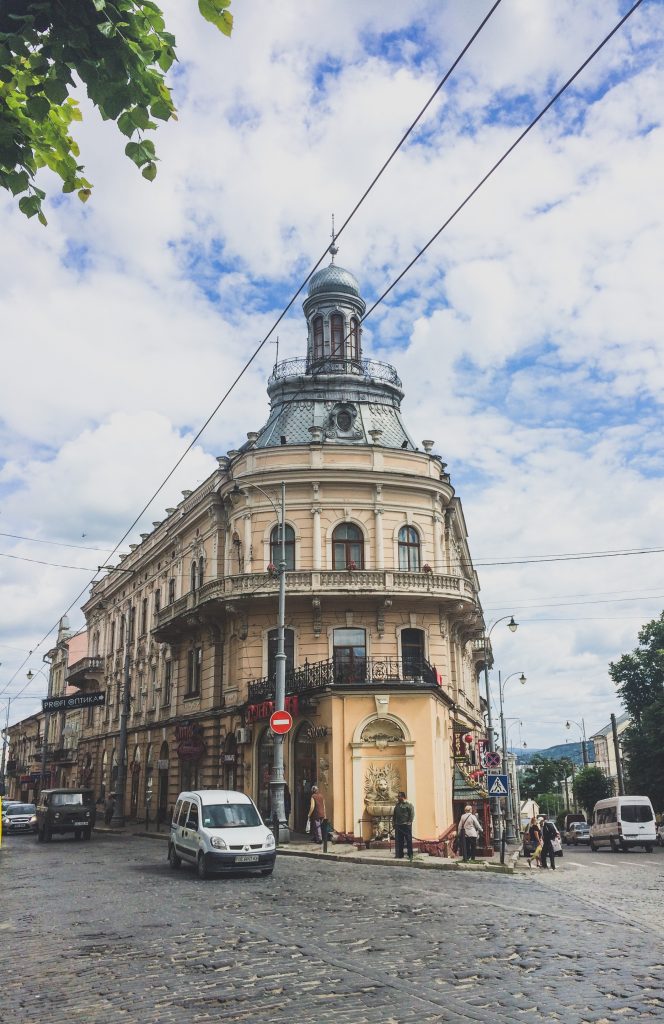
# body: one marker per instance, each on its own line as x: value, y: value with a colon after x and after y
x: 344, y: 420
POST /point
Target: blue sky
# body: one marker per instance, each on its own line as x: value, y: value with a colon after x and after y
x: 528, y: 337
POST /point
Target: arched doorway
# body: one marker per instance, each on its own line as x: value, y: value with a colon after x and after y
x: 230, y: 762
x: 264, y: 761
x: 162, y: 783
x: 304, y: 774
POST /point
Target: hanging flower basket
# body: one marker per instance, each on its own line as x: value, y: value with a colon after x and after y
x: 427, y: 568
x: 351, y: 566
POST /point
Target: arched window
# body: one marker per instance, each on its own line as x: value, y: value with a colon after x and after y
x: 194, y: 576
x: 412, y: 653
x: 289, y: 648
x: 275, y: 546
x: 347, y: 547
x: 409, y: 548
x: 318, y: 338
x: 337, y: 335
x: 354, y: 340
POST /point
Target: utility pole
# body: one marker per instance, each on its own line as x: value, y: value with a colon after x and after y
x: 118, y: 819
x: 616, y: 748
x: 278, y: 781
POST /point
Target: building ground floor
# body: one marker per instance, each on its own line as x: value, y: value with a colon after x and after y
x: 359, y: 747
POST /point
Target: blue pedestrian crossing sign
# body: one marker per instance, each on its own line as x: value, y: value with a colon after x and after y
x: 497, y: 785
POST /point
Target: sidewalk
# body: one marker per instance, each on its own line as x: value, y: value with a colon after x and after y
x: 300, y: 847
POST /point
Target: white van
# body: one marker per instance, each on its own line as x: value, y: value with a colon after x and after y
x: 219, y: 830
x: 623, y: 821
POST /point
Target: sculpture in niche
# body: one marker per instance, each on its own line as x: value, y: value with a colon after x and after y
x: 381, y: 785
x: 382, y: 733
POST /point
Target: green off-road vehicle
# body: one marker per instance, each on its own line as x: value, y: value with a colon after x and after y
x: 65, y: 810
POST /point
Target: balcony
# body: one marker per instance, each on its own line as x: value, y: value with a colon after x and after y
x: 363, y: 369
x: 85, y: 671
x: 322, y: 675
x: 55, y: 754
x: 369, y: 582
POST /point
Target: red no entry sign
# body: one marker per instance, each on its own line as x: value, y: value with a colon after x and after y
x: 281, y: 722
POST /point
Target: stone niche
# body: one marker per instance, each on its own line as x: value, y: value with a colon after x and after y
x: 384, y: 773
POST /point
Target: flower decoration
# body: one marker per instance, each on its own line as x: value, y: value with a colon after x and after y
x: 351, y: 566
x: 426, y: 567
x: 272, y: 569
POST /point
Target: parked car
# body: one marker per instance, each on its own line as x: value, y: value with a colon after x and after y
x: 219, y: 830
x: 578, y: 832
x: 19, y: 818
x: 65, y: 810
x: 623, y: 822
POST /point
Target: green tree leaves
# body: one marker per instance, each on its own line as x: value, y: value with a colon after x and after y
x: 120, y: 51
x: 591, y: 785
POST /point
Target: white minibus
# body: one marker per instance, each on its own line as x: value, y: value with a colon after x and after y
x: 622, y: 822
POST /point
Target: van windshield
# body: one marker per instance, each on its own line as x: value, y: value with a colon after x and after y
x: 69, y: 799
x: 636, y: 812
x: 230, y: 815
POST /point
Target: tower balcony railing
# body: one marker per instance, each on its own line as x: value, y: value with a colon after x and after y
x: 364, y: 369
x: 324, y: 581
x: 320, y: 675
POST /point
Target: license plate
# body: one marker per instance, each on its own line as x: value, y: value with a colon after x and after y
x: 248, y: 859
x: 80, y: 823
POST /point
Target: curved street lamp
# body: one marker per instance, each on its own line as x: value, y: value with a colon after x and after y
x: 582, y: 729
x: 512, y: 625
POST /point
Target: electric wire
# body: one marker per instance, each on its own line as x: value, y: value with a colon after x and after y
x: 378, y: 301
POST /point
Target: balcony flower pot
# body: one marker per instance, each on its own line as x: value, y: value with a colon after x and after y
x: 427, y: 568
x: 351, y: 566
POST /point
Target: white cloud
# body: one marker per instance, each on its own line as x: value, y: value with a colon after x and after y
x: 528, y: 337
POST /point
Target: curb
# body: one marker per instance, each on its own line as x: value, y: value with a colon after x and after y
x: 433, y: 864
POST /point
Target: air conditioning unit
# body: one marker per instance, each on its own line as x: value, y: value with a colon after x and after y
x: 242, y: 736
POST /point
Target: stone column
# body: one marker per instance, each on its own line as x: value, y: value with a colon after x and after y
x: 317, y: 550
x: 247, y: 542
x: 380, y: 552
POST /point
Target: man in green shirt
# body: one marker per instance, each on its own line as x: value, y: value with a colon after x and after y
x: 402, y: 816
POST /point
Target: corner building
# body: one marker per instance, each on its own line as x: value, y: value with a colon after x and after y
x: 382, y: 608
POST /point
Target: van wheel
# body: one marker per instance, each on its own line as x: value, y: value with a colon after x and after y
x: 648, y: 847
x: 201, y: 867
x: 173, y: 858
x: 614, y: 845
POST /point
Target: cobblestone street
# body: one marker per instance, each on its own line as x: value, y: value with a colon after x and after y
x: 107, y: 932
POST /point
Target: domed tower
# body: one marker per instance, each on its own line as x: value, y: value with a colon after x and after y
x: 334, y: 393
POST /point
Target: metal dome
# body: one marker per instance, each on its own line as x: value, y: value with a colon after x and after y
x: 333, y: 279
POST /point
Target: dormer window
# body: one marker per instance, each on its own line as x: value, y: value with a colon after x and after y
x: 318, y: 338
x: 337, y: 335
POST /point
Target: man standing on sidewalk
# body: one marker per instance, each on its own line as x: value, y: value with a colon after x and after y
x: 402, y: 816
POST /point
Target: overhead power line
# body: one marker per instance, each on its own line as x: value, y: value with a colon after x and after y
x: 251, y: 359
x: 384, y: 294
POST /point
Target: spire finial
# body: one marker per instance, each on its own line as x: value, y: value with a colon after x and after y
x: 333, y: 250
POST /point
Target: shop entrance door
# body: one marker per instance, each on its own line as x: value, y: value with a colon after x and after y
x: 304, y: 776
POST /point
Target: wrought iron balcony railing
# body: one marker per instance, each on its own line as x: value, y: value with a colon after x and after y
x: 364, y: 369
x: 361, y: 672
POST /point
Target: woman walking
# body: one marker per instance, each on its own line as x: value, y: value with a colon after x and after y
x: 534, y: 842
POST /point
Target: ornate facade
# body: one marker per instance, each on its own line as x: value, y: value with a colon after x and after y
x: 381, y: 606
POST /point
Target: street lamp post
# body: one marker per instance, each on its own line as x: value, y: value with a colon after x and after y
x: 582, y: 729
x: 510, y: 836
x: 512, y: 626
x: 278, y: 780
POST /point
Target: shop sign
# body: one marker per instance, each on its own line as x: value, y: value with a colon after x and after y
x: 460, y: 748
x: 191, y: 743
x: 317, y: 732
x: 260, y: 712
x: 79, y: 700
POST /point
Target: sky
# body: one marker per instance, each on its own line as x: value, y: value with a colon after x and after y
x: 528, y: 337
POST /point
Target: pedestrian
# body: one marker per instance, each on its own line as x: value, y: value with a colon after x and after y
x: 402, y: 818
x: 316, y: 815
x: 287, y: 803
x: 534, y: 842
x: 470, y: 830
x: 549, y: 833
x: 109, y: 808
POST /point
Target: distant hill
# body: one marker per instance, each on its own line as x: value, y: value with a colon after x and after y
x: 571, y: 750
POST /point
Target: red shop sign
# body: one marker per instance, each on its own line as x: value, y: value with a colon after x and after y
x: 260, y: 712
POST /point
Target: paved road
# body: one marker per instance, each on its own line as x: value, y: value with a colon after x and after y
x: 106, y: 932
